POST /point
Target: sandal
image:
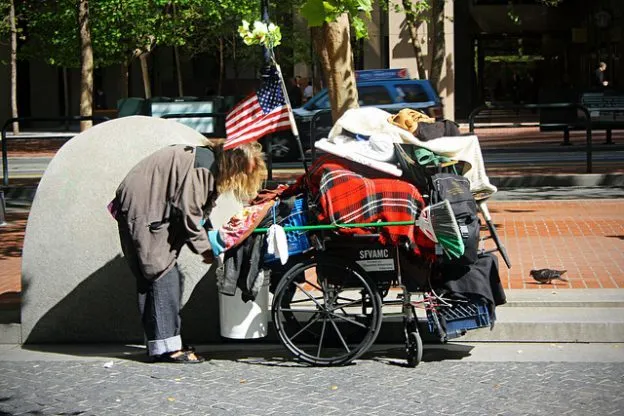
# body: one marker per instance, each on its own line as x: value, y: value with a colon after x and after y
x: 179, y: 357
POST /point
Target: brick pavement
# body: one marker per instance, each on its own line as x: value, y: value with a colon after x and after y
x: 11, y: 241
x: 584, y: 237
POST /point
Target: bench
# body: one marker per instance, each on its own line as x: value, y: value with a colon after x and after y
x: 111, y: 113
x: 606, y: 110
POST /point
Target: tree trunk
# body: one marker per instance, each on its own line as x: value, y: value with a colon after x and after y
x: 412, y: 25
x: 221, y: 65
x: 124, y: 80
x: 14, y: 112
x: 66, y: 96
x: 176, y: 55
x: 332, y: 42
x: 234, y: 59
x: 437, y: 45
x: 146, y: 76
x: 86, y: 66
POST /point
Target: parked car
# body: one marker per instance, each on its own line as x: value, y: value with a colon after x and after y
x: 389, y: 89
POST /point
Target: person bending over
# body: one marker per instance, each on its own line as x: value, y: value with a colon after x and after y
x: 162, y: 205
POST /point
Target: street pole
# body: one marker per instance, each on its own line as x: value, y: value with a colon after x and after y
x: 264, y: 11
x: 2, y: 209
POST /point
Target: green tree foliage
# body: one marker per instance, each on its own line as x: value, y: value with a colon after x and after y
x: 416, y: 13
x: 9, y: 31
x: 216, y: 32
x: 330, y: 21
x: 318, y: 12
x: 553, y: 3
x: 120, y: 29
x: 513, y: 15
x: 5, y: 26
x: 4, y: 21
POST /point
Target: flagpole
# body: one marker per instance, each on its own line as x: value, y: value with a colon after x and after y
x: 266, y: 54
x: 291, y: 117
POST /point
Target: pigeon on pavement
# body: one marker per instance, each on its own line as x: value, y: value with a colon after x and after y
x: 547, y: 275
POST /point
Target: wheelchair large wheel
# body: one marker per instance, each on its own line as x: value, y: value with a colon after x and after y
x: 327, y: 313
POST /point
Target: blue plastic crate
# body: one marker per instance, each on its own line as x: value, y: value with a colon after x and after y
x: 461, y: 317
x: 298, y: 241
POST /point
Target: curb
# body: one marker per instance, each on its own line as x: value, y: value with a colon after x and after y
x: 571, y: 315
x: 20, y: 196
x: 586, y: 179
x: 10, y: 333
x: 558, y: 324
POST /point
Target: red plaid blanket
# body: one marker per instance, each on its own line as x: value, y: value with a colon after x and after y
x: 345, y: 195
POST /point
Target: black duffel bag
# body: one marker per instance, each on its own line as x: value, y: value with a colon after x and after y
x: 456, y: 189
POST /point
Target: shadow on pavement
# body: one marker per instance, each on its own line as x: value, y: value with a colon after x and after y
x: 259, y: 354
x: 103, y: 308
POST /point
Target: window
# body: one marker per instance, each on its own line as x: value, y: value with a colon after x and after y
x: 412, y: 93
x: 373, y: 95
x: 323, y: 102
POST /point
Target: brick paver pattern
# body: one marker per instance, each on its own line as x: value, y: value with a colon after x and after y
x: 586, y: 238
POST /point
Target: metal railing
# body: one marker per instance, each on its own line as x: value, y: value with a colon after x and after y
x: 2, y: 209
x: 600, y: 122
x: 5, y: 159
x: 565, y: 126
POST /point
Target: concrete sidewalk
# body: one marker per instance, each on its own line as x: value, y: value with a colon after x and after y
x: 552, y: 216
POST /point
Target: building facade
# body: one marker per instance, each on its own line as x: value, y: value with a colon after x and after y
x: 488, y: 51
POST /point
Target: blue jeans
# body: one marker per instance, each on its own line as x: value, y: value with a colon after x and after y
x: 159, y: 301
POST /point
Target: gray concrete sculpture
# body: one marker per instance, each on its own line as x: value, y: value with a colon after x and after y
x: 76, y: 285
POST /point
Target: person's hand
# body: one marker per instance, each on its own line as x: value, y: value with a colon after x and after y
x: 208, y: 256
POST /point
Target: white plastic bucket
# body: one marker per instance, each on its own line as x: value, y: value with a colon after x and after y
x: 245, y: 320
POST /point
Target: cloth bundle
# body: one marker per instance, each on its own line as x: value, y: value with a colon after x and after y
x: 361, y: 136
x: 480, y: 279
x: 344, y: 196
x: 238, y: 228
x: 462, y: 148
x: 409, y: 119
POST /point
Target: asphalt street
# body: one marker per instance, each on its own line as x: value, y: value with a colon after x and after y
x: 36, y: 165
x: 456, y: 379
x: 34, y: 168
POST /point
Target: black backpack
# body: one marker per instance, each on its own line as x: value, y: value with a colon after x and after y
x: 456, y: 189
x: 430, y: 131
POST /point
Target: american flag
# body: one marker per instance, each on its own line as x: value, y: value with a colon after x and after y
x: 259, y: 114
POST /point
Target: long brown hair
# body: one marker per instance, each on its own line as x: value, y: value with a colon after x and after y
x: 241, y: 170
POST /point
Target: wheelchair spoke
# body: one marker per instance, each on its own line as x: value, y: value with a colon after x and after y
x: 351, y: 321
x: 342, y: 340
